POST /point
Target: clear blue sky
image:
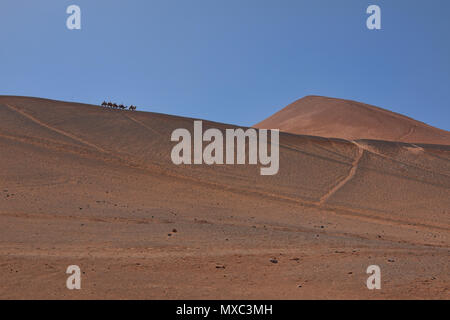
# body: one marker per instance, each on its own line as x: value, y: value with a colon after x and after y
x: 233, y: 61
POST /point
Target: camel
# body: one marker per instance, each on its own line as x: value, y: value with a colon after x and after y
x: 116, y: 106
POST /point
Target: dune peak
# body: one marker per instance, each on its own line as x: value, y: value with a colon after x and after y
x: 351, y: 120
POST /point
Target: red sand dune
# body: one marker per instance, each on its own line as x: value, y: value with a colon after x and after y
x: 84, y: 185
x: 351, y: 120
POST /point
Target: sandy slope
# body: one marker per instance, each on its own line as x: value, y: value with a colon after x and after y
x: 94, y: 187
x: 346, y: 119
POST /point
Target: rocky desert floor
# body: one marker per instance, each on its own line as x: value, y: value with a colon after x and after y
x: 87, y: 186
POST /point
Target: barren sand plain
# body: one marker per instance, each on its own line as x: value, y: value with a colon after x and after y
x: 94, y: 187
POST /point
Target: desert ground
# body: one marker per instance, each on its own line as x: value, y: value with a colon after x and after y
x: 94, y: 187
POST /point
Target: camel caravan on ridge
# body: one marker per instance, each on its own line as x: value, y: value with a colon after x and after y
x: 117, y: 106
